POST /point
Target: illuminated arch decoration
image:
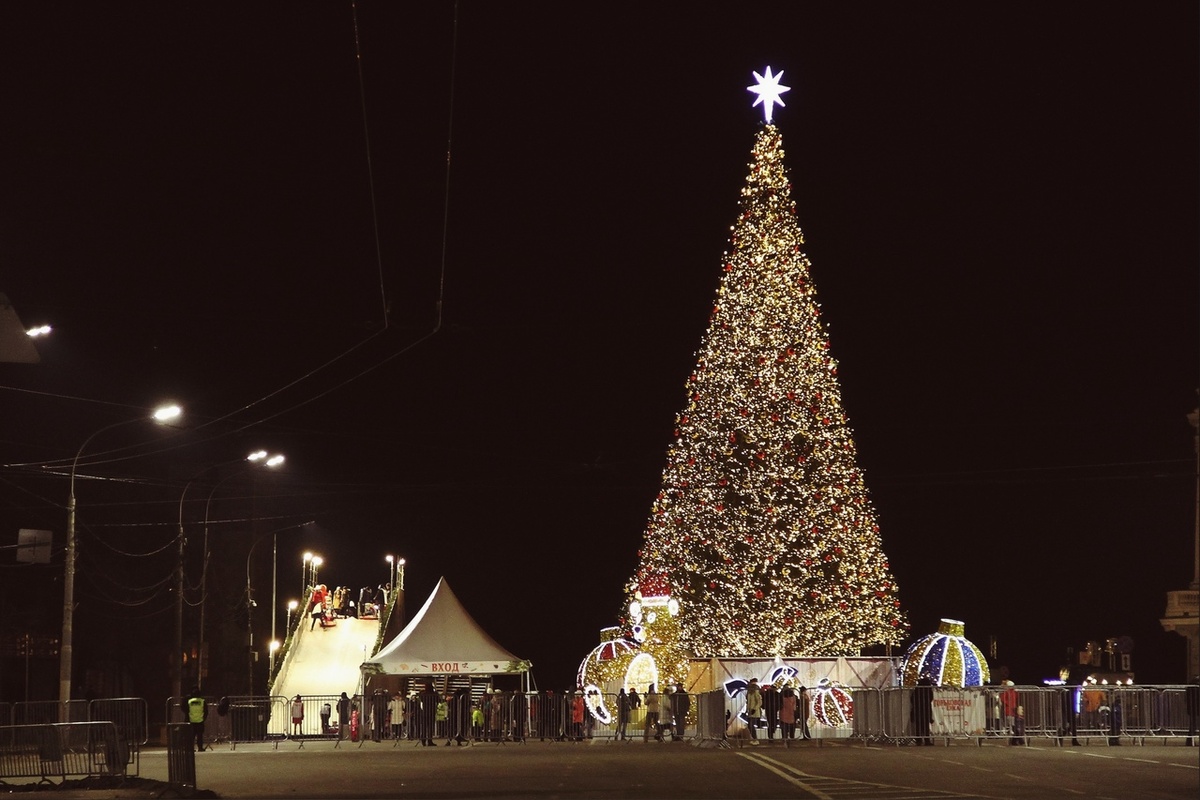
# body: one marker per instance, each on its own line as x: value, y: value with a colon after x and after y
x: 946, y: 658
x: 604, y: 654
x: 832, y: 705
x: 647, y: 652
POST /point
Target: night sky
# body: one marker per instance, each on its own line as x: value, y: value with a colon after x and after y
x: 475, y: 363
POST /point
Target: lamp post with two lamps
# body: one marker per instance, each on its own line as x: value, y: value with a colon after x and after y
x: 304, y: 575
x: 250, y: 604
x: 65, y: 652
x: 276, y: 645
x: 257, y: 458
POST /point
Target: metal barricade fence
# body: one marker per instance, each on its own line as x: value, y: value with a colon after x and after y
x: 247, y: 718
x: 1016, y: 715
x: 61, y: 750
x: 1020, y: 714
x: 1171, y: 713
x: 318, y: 717
x: 44, y: 712
x: 980, y: 714
x: 869, y: 719
x: 711, y: 718
x: 131, y: 715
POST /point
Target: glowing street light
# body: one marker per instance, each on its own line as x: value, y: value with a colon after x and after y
x: 316, y: 562
x: 163, y: 414
x: 258, y: 456
x: 304, y: 574
x: 251, y: 604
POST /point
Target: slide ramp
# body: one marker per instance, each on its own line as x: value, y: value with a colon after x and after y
x: 325, y: 661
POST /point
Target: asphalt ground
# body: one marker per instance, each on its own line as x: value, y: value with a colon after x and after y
x: 602, y: 769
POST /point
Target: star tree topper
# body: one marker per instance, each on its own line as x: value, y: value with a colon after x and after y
x: 768, y: 91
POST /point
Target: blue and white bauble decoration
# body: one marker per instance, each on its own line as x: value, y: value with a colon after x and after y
x: 946, y: 658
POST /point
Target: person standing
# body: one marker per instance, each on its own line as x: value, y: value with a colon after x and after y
x: 921, y: 711
x: 495, y: 716
x: 578, y: 710
x: 343, y: 709
x: 652, y: 707
x: 520, y: 715
x: 666, y: 713
x: 396, y: 714
x: 802, y: 711
x: 754, y: 703
x: 326, y: 713
x: 771, y: 708
x: 297, y: 715
x: 379, y: 709
x: 622, y: 713
x: 681, y: 705
x: 197, y: 711
x: 426, y: 710
x: 787, y: 712
x: 316, y: 609
x: 1008, y: 701
x: 1066, y: 698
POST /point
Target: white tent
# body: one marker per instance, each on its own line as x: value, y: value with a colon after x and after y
x: 443, y: 639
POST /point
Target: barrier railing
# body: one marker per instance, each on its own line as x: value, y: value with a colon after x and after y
x: 61, y: 750
x: 988, y: 714
x: 898, y: 715
x: 1019, y: 714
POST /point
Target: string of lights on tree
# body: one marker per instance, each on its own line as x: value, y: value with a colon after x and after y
x: 763, y: 529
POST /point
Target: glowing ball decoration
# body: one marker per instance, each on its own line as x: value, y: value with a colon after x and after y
x: 946, y: 658
x: 832, y: 705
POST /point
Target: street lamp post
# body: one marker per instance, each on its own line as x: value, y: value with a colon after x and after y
x: 274, y: 592
x: 316, y: 562
x: 65, y: 652
x: 398, y: 589
x: 250, y: 604
x: 304, y: 576
x: 257, y: 457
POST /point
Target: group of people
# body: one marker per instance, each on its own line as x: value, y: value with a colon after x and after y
x: 775, y: 709
x: 666, y: 714
x: 347, y: 717
x: 459, y: 718
x: 325, y: 606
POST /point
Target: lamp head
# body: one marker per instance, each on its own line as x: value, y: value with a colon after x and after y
x: 167, y: 413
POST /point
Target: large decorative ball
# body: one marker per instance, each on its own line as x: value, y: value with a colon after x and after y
x: 946, y: 658
x: 832, y: 705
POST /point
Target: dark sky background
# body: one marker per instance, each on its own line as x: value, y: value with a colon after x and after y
x: 475, y: 363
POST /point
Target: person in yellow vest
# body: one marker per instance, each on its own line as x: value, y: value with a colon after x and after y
x: 197, y: 711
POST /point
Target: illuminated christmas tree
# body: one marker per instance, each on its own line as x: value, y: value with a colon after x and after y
x: 763, y: 529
